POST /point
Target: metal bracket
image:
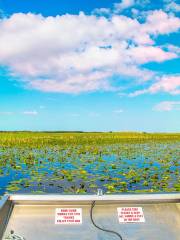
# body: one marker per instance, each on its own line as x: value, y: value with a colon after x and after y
x: 100, y: 192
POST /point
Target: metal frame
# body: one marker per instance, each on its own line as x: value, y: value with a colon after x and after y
x: 155, y: 197
x: 13, y: 202
x: 3, y: 200
x: 6, y: 207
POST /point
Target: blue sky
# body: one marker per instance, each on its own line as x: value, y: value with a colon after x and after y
x: 90, y: 65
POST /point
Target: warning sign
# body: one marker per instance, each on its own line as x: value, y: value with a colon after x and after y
x: 68, y: 216
x: 130, y: 215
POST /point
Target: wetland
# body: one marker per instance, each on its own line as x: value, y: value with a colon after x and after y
x: 81, y: 163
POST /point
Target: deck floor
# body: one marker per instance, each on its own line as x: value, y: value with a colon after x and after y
x: 37, y: 222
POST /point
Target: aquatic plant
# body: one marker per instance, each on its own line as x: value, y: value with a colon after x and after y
x: 83, y: 162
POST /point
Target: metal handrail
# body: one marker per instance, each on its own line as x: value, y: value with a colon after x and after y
x: 119, y: 197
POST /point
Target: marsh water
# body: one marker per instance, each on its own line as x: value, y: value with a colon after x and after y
x: 122, y: 167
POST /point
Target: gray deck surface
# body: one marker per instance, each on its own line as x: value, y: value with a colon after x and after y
x: 36, y: 222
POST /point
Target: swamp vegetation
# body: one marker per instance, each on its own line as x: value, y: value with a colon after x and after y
x: 80, y: 163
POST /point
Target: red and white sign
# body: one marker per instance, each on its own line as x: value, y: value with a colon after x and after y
x: 130, y: 215
x: 68, y: 216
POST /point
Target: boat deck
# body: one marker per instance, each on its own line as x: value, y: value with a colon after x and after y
x: 35, y: 220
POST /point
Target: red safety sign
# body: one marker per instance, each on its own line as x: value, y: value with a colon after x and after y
x: 130, y: 215
x: 68, y: 216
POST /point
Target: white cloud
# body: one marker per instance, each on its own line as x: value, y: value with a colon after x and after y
x: 167, y: 106
x: 118, y: 7
x: 172, y: 6
x: 123, y: 5
x: 169, y: 84
x: 32, y: 113
x: 159, y: 22
x: 80, y: 53
x: 143, y: 3
x: 144, y: 54
x: 102, y: 11
x: 135, y: 12
x: 77, y: 84
x: 173, y: 49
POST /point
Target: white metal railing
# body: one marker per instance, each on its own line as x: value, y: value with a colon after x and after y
x: 118, y: 197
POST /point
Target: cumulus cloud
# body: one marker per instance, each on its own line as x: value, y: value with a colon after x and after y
x: 172, y: 6
x: 145, y: 54
x: 78, y: 83
x: 169, y: 84
x: 119, y: 7
x: 167, y: 106
x: 80, y: 53
x: 102, y: 11
x: 159, y: 22
x: 123, y: 5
